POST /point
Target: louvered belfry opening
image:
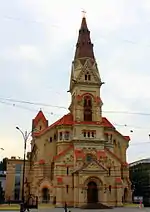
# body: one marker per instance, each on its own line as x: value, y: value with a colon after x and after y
x: 87, y: 108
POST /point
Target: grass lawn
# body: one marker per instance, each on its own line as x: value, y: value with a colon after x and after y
x: 6, y: 207
x: 131, y: 205
x: 16, y: 207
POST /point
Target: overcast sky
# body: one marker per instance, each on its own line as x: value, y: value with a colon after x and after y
x: 37, y: 44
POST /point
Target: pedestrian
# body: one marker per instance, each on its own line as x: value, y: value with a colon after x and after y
x: 8, y: 200
x: 26, y: 207
x: 65, y: 207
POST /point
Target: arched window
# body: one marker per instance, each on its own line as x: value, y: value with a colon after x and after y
x: 110, y: 188
x: 87, y: 108
x: 52, y: 170
x: 87, y: 76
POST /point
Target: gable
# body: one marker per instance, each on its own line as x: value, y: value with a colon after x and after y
x: 67, y: 155
x: 39, y: 119
x: 114, y: 156
x: 92, y: 166
x: 93, y: 74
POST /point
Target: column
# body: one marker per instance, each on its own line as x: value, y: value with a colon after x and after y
x: 59, y: 200
x: 119, y: 195
x: 102, y: 194
x: 76, y: 191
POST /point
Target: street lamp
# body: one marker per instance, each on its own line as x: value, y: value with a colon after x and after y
x: 25, y: 136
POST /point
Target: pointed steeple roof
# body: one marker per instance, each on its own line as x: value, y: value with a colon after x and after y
x: 84, y: 47
x: 39, y: 117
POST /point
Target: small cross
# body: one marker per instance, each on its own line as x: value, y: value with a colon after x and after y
x: 83, y: 12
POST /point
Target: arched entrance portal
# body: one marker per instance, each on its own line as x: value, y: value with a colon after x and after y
x: 45, y: 195
x: 92, y: 192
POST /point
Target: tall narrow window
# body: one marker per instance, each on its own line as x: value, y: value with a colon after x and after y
x: 52, y: 170
x: 72, y: 181
x: 89, y: 77
x: 67, y: 170
x: 110, y: 188
x: 87, y: 108
x: 55, y: 137
x: 67, y: 188
x: 60, y: 136
x: 93, y: 134
x: 109, y: 171
x: 66, y: 135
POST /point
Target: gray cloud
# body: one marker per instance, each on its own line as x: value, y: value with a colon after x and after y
x: 37, y: 47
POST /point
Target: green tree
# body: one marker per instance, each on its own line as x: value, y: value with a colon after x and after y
x: 1, y: 194
x: 3, y: 164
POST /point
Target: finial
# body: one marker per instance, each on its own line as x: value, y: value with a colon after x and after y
x: 83, y: 12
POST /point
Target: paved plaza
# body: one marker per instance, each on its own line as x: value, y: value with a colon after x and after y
x: 125, y: 209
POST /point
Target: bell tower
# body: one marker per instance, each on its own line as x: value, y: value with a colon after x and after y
x: 85, y: 81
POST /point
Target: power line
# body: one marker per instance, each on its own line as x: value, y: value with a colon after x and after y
x: 26, y: 108
x: 54, y: 114
x: 63, y: 107
x: 33, y: 103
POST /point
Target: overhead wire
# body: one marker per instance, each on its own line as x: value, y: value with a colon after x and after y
x: 131, y: 144
x: 51, y: 113
x: 55, y: 106
x: 63, y: 107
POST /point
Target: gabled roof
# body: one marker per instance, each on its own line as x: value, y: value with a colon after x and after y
x: 67, y: 120
x: 106, y: 149
x: 62, y: 153
x: 39, y: 117
x: 116, y: 157
x: 107, y: 123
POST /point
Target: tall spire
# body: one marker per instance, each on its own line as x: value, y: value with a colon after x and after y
x: 84, y: 47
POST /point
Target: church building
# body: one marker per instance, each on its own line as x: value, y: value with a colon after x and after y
x: 81, y: 158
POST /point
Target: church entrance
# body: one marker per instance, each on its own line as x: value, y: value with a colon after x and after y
x: 45, y: 195
x: 92, y: 192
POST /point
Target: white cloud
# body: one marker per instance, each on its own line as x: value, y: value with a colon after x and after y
x: 23, y: 52
x: 57, y: 23
x: 29, y: 53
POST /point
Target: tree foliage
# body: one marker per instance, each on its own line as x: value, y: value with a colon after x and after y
x: 3, y: 164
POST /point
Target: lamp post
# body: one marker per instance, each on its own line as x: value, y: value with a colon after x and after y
x: 25, y: 136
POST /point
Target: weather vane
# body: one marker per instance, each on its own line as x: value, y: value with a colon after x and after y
x: 83, y: 12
